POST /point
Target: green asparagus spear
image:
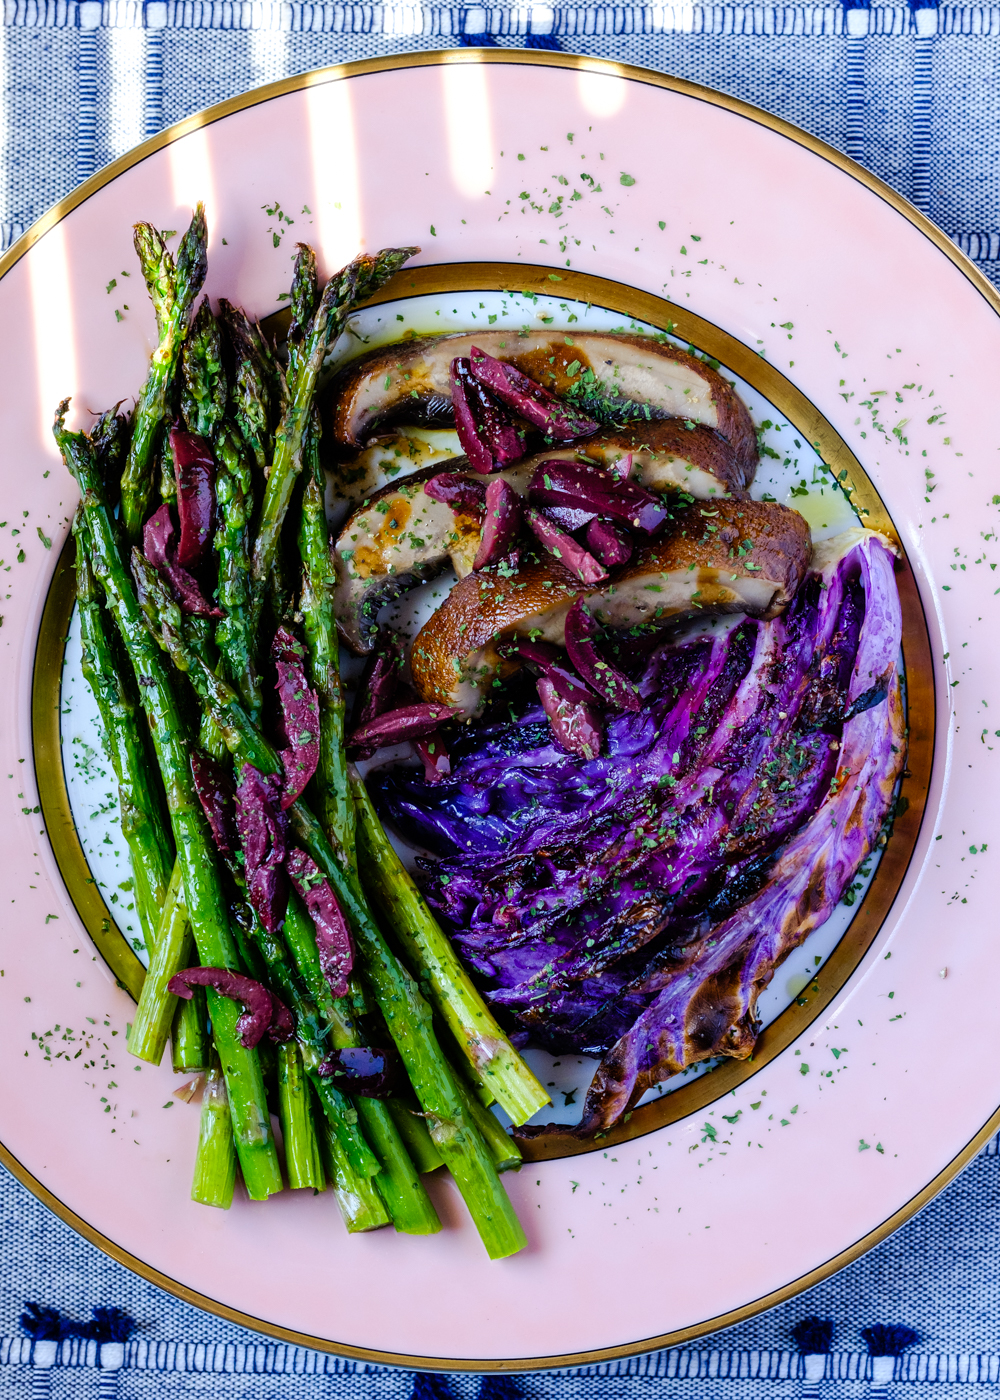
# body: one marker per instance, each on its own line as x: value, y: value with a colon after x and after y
x: 234, y: 493
x: 202, y: 885
x: 173, y: 950
x: 503, y: 1149
x: 173, y: 288
x: 399, y: 1181
x: 215, y: 1162
x: 203, y: 403
x: 255, y: 383
x: 149, y: 842
x: 359, y: 280
x: 435, y: 963
x: 311, y: 1034
x: 204, y: 389
x: 412, y: 1129
x: 332, y: 794
x: 406, y: 1198
x: 168, y: 471
x: 209, y: 737
x: 409, y: 1020
x: 110, y: 436
x: 190, y: 1040
x: 357, y: 1196
x: 303, y: 1163
x: 406, y: 1013
x: 303, y: 302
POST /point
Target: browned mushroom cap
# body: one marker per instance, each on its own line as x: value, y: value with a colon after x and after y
x: 455, y: 652
x: 726, y: 556
x: 668, y: 454
x: 719, y: 557
x: 672, y: 454
x: 400, y: 537
x: 410, y: 383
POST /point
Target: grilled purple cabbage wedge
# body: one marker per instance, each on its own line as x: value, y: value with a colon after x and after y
x: 583, y: 892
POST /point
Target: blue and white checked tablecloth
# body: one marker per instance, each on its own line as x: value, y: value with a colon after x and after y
x: 913, y: 92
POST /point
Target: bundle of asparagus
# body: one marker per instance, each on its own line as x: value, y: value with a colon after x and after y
x: 385, y: 1059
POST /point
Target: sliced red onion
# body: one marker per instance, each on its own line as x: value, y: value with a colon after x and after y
x: 282, y: 1026
x: 159, y: 545
x: 622, y: 468
x: 263, y: 829
x: 372, y: 1073
x: 263, y: 1011
x: 459, y: 492
x: 564, y: 547
x: 333, y: 936
x: 609, y: 543
x: 501, y: 524
x: 587, y: 487
x: 555, y: 418
x: 194, y: 472
x: 437, y: 764
x: 577, y: 727
x: 570, y: 686
x: 378, y: 683
x: 509, y: 565
x: 218, y: 799
x: 300, y: 712
x: 536, y: 653
x: 409, y: 722
x: 612, y: 685
x: 569, y: 518
x: 554, y: 665
x: 188, y: 593
x: 159, y: 538
x: 488, y: 437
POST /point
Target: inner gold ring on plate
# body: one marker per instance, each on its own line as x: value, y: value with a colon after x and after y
x: 806, y: 419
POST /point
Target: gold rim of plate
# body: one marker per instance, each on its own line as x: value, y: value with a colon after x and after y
x: 783, y: 394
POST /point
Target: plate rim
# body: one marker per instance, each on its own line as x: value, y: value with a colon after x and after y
x: 699, y: 92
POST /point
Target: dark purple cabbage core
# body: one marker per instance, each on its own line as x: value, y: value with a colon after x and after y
x: 635, y: 904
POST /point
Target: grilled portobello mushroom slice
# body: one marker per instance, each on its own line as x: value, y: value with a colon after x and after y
x: 618, y: 378
x: 721, y: 557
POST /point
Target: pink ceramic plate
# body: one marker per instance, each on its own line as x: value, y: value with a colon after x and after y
x: 882, y: 326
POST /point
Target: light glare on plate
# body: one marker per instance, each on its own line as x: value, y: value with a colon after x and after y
x: 470, y: 131
x: 337, y: 199
x: 52, y: 323
x: 191, y: 176
x: 601, y: 94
